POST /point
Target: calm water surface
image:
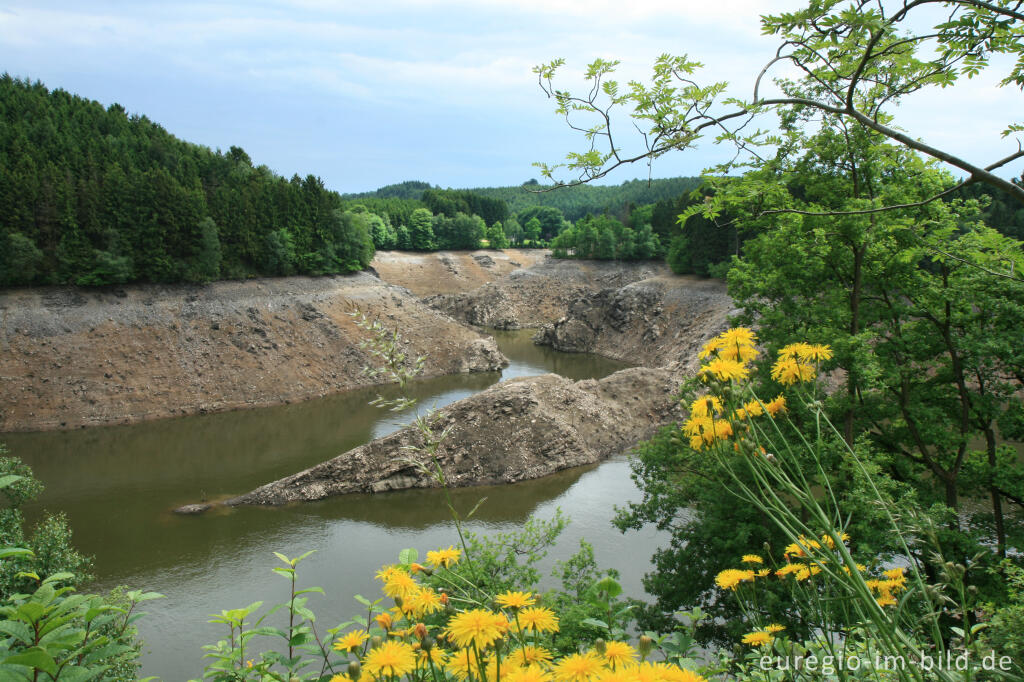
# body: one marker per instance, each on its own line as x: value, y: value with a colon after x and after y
x: 118, y: 485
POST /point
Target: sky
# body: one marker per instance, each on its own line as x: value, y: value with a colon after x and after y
x: 381, y: 91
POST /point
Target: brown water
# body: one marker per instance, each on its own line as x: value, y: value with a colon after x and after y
x: 118, y: 485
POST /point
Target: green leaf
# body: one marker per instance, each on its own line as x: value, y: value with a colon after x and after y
x: 35, y: 658
x: 408, y: 556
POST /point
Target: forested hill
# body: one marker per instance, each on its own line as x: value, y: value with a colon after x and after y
x: 573, y: 202
x: 90, y: 195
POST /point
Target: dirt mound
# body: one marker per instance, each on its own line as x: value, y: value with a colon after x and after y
x: 540, y: 294
x: 446, y: 272
x: 652, y: 322
x: 75, y: 357
x: 517, y: 430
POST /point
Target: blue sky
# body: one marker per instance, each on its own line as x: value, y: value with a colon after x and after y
x: 367, y: 94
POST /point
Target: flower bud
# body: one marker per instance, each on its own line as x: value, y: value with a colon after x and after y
x: 600, y: 645
x: 644, y: 646
x: 427, y: 643
x: 398, y: 602
x: 420, y: 630
x: 376, y: 641
x: 354, y: 670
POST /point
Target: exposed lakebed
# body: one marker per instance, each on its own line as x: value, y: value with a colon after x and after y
x: 118, y: 485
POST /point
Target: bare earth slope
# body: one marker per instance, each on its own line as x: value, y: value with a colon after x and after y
x: 74, y: 357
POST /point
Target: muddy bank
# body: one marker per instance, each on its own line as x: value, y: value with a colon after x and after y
x: 540, y: 294
x: 76, y: 357
x: 652, y: 322
x: 518, y: 430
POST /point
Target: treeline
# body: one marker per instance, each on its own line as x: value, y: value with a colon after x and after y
x: 573, y: 203
x: 91, y: 195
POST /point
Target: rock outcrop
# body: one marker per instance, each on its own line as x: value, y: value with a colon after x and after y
x: 516, y: 430
x: 653, y: 322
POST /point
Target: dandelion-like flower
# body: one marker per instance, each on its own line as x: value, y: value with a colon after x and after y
x: 530, y: 655
x: 789, y: 371
x: 775, y: 627
x: 461, y: 664
x: 351, y: 640
x: 399, y: 584
x: 390, y: 658
x: 533, y: 673
x: 478, y: 626
x: 776, y: 406
x: 515, y: 600
x: 422, y: 602
x: 705, y: 406
x: 444, y: 557
x: 577, y: 668
x: 738, y: 336
x: 618, y: 654
x: 752, y: 559
x: 731, y: 577
x: 758, y: 638
x: 538, y: 619
x: 725, y: 370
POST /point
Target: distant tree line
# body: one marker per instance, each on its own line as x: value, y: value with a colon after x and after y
x: 91, y: 196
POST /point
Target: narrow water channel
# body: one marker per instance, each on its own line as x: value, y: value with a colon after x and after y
x: 118, y: 484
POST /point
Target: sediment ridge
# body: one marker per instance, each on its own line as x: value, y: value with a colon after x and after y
x: 514, y: 431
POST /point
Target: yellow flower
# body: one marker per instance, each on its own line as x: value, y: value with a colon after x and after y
x: 422, y: 602
x: 384, y: 620
x: 787, y: 569
x: 725, y: 370
x: 444, y: 557
x: 651, y: 672
x: 341, y: 678
x: 462, y: 664
x: 754, y: 408
x: 789, y: 371
x: 709, y: 348
x: 530, y: 655
x: 533, y: 673
x: 775, y: 627
x: 731, y: 577
x: 738, y: 336
x: 438, y: 655
x: 752, y: 559
x: 577, y: 668
x: 515, y: 600
x: 539, y: 619
x: 885, y: 599
x: 705, y: 406
x: 806, y: 572
x: 763, y: 573
x: 477, y: 627
x: 390, y: 658
x: 399, y: 584
x: 816, y: 353
x: 385, y: 573
x: 794, y: 351
x: 776, y: 406
x: 618, y: 654
x: 896, y: 577
x: 351, y: 640
x: 758, y: 638
x: 743, y: 354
